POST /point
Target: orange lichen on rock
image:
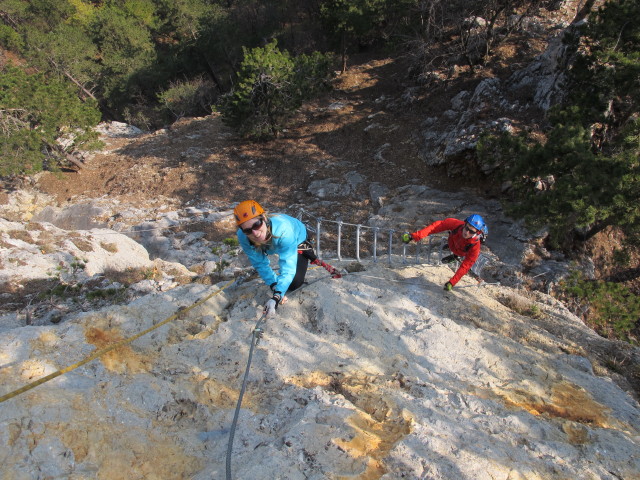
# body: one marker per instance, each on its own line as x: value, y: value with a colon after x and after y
x: 121, y: 359
x: 565, y: 400
x: 378, y: 425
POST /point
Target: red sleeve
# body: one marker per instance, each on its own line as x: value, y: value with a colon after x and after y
x: 437, y: 227
x: 469, y: 259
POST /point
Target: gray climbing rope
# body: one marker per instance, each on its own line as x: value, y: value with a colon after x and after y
x: 255, y: 338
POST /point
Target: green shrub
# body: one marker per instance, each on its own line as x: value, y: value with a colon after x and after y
x: 231, y: 242
x: 611, y: 308
x: 10, y: 39
x: 189, y: 98
x: 621, y: 256
x: 35, y: 111
x: 271, y: 86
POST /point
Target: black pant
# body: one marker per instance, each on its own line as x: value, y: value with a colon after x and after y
x: 305, y: 255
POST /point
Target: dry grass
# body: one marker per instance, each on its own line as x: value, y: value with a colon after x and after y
x: 521, y: 305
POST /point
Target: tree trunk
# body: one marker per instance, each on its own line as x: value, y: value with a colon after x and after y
x: 597, y: 228
x: 63, y: 153
x: 344, y: 51
x: 72, y: 159
x: 212, y: 74
x: 584, y: 11
x: 79, y: 85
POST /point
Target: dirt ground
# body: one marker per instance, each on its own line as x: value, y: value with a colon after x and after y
x: 201, y: 160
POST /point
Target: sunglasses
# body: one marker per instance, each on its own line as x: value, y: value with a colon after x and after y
x: 472, y: 232
x: 255, y: 226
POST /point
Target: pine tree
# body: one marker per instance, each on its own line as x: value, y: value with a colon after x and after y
x: 35, y: 112
x: 271, y: 86
x: 350, y: 20
x: 589, y: 163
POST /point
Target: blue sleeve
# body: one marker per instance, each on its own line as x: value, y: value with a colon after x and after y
x: 258, y: 259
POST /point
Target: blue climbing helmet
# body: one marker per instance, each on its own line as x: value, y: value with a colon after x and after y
x: 477, y: 222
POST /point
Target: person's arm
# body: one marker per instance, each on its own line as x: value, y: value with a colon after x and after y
x: 258, y: 260
x: 469, y: 259
x: 288, y: 265
x: 437, y: 227
x: 286, y: 241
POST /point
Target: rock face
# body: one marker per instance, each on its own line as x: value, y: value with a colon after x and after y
x: 43, y: 249
x: 496, y: 106
x: 379, y: 374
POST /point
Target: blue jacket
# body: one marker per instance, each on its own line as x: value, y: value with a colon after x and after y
x: 286, y: 234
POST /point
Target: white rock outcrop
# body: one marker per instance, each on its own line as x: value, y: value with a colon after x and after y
x: 379, y: 374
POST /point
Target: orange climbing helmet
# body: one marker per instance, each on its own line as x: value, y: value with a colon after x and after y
x: 247, y: 210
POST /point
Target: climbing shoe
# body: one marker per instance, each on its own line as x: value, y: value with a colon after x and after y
x: 335, y: 273
x: 450, y: 259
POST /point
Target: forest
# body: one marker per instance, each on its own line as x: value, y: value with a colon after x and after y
x: 150, y: 62
x: 70, y: 64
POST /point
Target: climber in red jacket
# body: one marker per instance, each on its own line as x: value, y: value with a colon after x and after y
x: 465, y: 239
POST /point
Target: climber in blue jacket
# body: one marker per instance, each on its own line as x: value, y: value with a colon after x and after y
x: 260, y: 236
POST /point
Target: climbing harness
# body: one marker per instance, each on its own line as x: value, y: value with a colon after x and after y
x: 306, y: 249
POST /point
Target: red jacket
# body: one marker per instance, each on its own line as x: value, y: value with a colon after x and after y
x: 460, y: 246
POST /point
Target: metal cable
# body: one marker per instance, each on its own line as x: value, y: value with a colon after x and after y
x: 257, y: 335
x: 255, y: 338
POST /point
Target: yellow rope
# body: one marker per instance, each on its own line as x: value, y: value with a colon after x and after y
x: 101, y: 352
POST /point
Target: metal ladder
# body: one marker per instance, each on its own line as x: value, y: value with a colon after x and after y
x: 434, y: 248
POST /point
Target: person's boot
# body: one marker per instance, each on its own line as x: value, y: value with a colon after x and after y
x: 332, y: 270
x: 450, y: 259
